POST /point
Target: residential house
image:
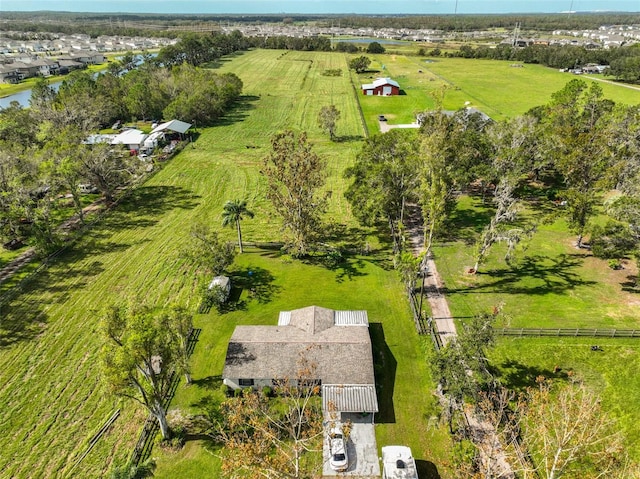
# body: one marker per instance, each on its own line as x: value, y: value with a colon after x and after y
x: 9, y: 74
x: 337, y: 343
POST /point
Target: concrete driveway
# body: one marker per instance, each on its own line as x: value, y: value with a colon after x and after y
x: 362, y: 450
x: 385, y: 127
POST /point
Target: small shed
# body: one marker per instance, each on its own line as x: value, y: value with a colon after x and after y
x: 222, y: 282
x: 173, y: 125
x: 381, y: 87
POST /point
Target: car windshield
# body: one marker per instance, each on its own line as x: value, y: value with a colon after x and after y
x: 338, y: 457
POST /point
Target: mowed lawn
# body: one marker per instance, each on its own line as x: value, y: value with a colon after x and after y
x: 494, y: 87
x: 406, y: 402
x: 549, y: 284
x: 50, y: 391
x: 611, y: 372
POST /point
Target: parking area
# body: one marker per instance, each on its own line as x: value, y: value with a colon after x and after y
x: 362, y: 450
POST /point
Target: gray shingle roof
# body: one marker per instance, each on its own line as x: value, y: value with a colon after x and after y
x: 340, y: 354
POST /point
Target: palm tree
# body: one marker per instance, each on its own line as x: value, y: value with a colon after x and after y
x: 233, y: 212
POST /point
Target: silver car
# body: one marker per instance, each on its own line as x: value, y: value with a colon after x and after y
x: 337, y: 447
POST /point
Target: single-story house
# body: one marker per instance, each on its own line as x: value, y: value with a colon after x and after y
x: 337, y: 343
x: 133, y: 139
x: 381, y: 87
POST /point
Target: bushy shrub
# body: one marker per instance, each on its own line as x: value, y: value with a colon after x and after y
x: 615, y: 264
x: 213, y: 297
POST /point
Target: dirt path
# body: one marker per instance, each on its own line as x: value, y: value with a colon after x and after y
x: 11, y: 268
x: 14, y: 266
x: 602, y: 80
x: 432, y: 282
x: 483, y: 433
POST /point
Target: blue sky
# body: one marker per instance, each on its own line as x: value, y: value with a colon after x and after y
x: 321, y: 6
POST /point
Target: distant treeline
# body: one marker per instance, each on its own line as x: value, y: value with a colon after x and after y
x: 624, y: 62
x: 465, y: 23
x: 153, y: 24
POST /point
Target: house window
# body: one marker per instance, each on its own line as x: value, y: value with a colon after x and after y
x: 245, y: 382
x: 310, y: 383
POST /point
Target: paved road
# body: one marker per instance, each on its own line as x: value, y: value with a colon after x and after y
x: 385, y: 126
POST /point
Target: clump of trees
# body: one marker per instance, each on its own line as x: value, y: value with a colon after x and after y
x: 572, y: 149
x: 623, y: 61
x: 360, y: 64
x: 143, y: 349
x: 375, y: 47
x: 294, y: 175
x: 43, y: 153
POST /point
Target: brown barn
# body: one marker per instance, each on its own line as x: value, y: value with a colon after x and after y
x: 381, y: 87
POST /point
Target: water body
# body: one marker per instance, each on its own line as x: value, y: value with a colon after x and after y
x: 24, y: 96
x: 368, y: 40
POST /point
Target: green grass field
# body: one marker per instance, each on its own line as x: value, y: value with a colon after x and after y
x: 612, y: 372
x: 50, y: 391
x: 493, y: 87
x: 550, y: 284
x: 53, y: 402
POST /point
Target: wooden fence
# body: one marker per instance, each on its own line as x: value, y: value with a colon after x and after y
x: 569, y: 332
x: 423, y: 325
x: 143, y: 447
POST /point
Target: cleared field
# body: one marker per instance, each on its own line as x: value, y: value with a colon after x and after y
x: 50, y: 391
x: 550, y: 285
x: 495, y: 87
x: 611, y: 372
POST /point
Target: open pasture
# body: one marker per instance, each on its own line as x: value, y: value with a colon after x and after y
x: 610, y: 371
x: 50, y: 389
x: 494, y: 87
x: 549, y: 284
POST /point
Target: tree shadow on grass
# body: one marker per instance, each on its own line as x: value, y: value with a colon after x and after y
x: 240, y: 110
x: 218, y: 62
x: 257, y: 281
x: 384, y: 365
x: 632, y: 285
x: 348, y: 138
x: 153, y: 201
x: 208, y: 382
x: 518, y: 377
x: 21, y: 320
x: 427, y: 469
x: 58, y: 281
x: 348, y: 238
x: 551, y: 274
x: 466, y: 224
